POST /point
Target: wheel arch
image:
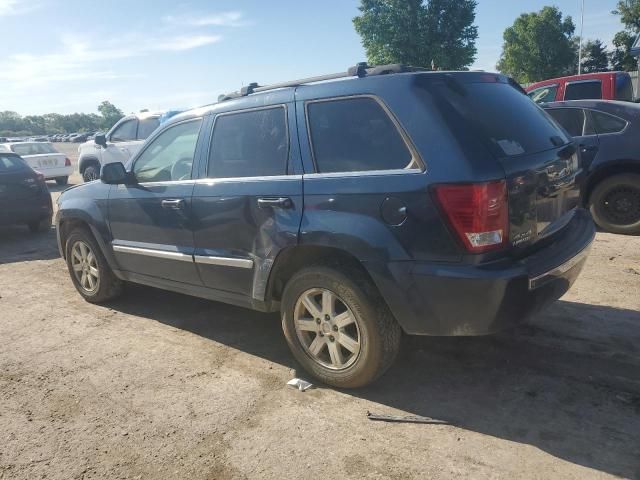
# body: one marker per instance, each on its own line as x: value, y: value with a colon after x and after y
x: 84, y: 162
x: 67, y: 224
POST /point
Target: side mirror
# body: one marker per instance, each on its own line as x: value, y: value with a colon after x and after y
x: 115, y: 174
x: 101, y: 140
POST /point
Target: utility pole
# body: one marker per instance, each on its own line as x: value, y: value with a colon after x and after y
x: 581, y: 33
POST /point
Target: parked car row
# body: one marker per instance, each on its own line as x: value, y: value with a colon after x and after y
x: 43, y: 157
x: 360, y: 209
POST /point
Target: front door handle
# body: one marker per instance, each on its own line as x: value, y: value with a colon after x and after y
x: 588, y: 148
x: 173, y: 204
x: 275, y: 202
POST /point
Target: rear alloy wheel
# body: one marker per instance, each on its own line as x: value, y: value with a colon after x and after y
x: 615, y: 204
x: 91, y: 173
x: 338, y: 327
x: 89, y: 270
x: 62, y: 180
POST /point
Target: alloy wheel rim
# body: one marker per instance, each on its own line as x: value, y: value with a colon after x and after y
x: 622, y: 205
x: 327, y: 329
x: 85, y: 267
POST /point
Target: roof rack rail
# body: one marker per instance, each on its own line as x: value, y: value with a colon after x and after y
x: 359, y: 70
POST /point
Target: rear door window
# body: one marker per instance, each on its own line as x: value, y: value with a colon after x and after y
x: 544, y: 94
x: 605, y: 123
x: 573, y: 120
x: 355, y: 135
x: 249, y: 144
x: 589, y: 89
x: 147, y: 126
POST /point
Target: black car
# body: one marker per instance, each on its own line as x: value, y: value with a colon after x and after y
x: 608, y: 134
x: 392, y: 200
x: 24, y: 197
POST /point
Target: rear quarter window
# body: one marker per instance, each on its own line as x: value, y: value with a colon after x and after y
x: 605, y: 123
x: 624, y: 87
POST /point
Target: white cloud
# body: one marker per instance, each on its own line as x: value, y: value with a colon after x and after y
x: 224, y: 19
x: 80, y: 60
x: 16, y: 7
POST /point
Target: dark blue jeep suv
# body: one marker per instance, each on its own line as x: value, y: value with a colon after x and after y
x: 390, y: 200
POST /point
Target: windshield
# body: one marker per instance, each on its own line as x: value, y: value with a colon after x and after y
x: 510, y: 122
x: 27, y: 148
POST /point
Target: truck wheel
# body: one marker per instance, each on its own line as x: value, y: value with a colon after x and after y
x: 62, y: 180
x: 338, y: 327
x: 615, y: 204
x: 91, y: 173
x: 89, y: 270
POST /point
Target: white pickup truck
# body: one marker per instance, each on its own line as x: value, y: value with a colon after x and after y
x: 121, y: 142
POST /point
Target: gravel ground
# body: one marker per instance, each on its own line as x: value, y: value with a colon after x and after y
x: 159, y: 385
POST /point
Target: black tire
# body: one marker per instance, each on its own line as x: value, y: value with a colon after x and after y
x: 40, y: 226
x: 615, y: 204
x: 108, y: 285
x: 379, y: 333
x: 91, y: 173
x: 62, y: 180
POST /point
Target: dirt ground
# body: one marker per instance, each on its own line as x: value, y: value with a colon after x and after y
x: 158, y: 385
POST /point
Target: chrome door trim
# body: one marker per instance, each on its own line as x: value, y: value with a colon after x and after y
x: 224, y: 261
x: 183, y: 257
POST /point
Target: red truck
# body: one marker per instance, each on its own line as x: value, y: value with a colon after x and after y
x: 606, y: 86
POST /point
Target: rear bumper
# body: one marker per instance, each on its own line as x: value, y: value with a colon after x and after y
x: 437, y: 299
x: 50, y: 173
x: 28, y: 210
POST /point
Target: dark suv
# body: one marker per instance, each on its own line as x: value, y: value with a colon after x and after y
x: 390, y: 201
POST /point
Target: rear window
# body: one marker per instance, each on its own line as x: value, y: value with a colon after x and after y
x: 624, y: 87
x: 508, y: 119
x: 9, y: 163
x: 590, y: 89
x: 33, y: 148
x: 605, y: 123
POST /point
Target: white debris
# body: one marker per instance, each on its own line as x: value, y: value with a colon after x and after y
x: 300, y: 384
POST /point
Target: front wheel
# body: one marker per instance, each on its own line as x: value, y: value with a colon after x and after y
x: 91, y: 173
x: 89, y: 270
x: 338, y: 327
x: 615, y: 204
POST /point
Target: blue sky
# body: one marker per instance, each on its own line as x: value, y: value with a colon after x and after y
x: 68, y: 55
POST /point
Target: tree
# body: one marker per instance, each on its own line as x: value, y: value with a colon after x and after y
x: 595, y: 57
x: 110, y: 114
x: 621, y: 58
x: 539, y: 45
x: 629, y: 11
x: 418, y: 33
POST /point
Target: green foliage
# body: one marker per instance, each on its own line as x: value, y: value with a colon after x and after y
x: 595, y: 57
x: 629, y: 11
x: 621, y: 58
x: 418, y: 33
x: 14, y: 125
x: 539, y: 45
x: 110, y: 114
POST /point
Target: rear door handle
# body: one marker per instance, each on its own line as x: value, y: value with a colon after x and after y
x: 173, y: 204
x: 588, y: 148
x: 275, y: 202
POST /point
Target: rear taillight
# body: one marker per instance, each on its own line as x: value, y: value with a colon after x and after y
x: 67, y: 162
x: 478, y: 213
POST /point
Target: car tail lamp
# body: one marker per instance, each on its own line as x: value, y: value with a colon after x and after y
x: 478, y: 213
x: 67, y: 162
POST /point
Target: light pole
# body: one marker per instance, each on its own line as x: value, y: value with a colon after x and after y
x: 581, y: 33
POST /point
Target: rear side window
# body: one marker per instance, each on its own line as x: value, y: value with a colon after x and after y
x: 506, y: 120
x: 355, y: 135
x: 9, y: 163
x: 544, y: 94
x: 125, y: 132
x: 573, y: 120
x: 249, y: 144
x: 624, y: 87
x: 580, y: 90
x: 605, y: 123
x: 146, y: 127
